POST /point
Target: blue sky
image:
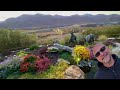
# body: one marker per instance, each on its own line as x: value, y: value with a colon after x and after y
x: 8, y: 14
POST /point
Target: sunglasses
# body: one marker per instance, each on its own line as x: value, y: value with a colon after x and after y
x: 101, y: 50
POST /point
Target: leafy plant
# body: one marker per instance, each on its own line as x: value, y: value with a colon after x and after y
x: 21, y: 53
x: 55, y: 71
x: 33, y: 47
x: 52, y: 49
x: 9, y: 66
x: 30, y: 58
x: 66, y: 56
x: 43, y: 64
x: 28, y: 64
x: 41, y: 51
x: 27, y: 75
x: 33, y: 63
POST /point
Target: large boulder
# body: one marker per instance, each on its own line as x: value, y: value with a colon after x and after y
x: 90, y: 38
x: 74, y: 72
x: 116, y: 44
x: 112, y: 41
x: 63, y: 47
x: 116, y: 51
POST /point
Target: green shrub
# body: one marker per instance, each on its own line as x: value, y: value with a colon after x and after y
x: 27, y: 75
x: 9, y: 66
x: 21, y: 53
x: 65, y: 41
x: 80, y: 37
x: 34, y: 47
x: 62, y: 42
x: 110, y: 47
x: 109, y: 31
x: 14, y: 75
x: 11, y: 39
x: 55, y: 71
x: 66, y: 56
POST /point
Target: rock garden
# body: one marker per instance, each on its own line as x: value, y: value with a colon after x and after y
x: 57, y: 60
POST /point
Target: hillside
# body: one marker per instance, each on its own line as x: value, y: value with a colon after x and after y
x: 26, y: 21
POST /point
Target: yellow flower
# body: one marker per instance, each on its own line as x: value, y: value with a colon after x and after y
x: 80, y: 53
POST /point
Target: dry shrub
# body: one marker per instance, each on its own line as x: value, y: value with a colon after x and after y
x: 102, y: 37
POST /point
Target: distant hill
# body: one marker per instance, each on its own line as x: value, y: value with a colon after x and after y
x: 26, y: 21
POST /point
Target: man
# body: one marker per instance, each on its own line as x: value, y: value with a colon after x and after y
x: 108, y: 64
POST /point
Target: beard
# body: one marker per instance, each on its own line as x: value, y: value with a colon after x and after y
x: 106, y: 59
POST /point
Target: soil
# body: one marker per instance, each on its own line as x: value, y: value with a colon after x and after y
x: 53, y: 57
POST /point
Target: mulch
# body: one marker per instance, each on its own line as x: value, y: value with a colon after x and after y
x: 53, y: 57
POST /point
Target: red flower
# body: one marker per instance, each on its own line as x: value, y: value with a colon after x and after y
x: 42, y: 64
x: 32, y: 62
x: 24, y: 66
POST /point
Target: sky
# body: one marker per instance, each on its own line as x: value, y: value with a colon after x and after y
x: 9, y: 14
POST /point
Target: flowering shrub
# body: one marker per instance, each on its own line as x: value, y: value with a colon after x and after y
x: 34, y: 63
x: 28, y: 63
x: 42, y: 64
x: 30, y: 58
x: 80, y: 53
x: 24, y: 67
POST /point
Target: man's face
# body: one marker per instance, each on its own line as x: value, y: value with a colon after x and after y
x: 102, y: 53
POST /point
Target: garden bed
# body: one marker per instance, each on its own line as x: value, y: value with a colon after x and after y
x: 64, y: 54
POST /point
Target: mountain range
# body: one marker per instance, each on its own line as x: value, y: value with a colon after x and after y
x: 27, y: 21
